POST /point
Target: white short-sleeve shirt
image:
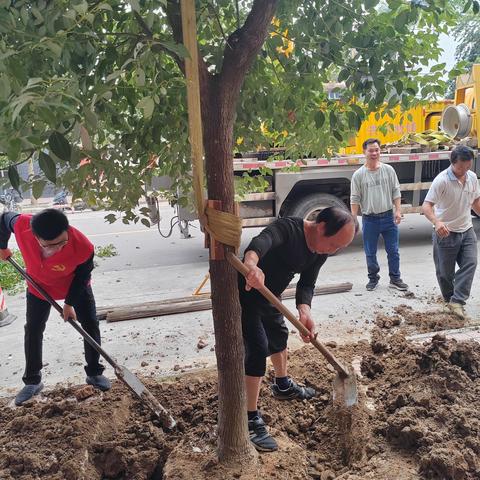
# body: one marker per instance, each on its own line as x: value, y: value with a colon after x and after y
x: 453, y: 200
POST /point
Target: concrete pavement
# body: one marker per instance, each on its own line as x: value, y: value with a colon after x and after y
x: 149, y: 267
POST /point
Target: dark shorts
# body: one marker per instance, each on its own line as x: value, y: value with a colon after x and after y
x: 264, y: 333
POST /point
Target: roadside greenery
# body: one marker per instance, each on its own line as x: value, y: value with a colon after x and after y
x: 106, y: 251
x: 10, y: 280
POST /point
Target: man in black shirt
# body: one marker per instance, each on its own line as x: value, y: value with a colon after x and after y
x: 284, y: 248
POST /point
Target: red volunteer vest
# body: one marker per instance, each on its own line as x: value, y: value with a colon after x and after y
x: 54, y: 274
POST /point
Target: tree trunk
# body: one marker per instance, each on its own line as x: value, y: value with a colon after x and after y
x: 218, y: 96
x: 234, y: 444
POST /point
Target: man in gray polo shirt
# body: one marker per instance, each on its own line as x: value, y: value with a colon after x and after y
x: 448, y: 204
x: 376, y: 190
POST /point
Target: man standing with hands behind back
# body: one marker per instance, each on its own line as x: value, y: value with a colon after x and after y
x: 376, y: 190
x: 452, y: 195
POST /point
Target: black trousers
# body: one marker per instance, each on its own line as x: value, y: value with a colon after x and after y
x: 264, y: 333
x: 37, y: 315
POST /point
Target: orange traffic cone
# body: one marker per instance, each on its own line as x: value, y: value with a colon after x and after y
x: 5, y: 317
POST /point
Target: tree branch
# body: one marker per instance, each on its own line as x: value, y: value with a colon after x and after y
x: 175, y: 20
x: 157, y: 48
x: 244, y: 45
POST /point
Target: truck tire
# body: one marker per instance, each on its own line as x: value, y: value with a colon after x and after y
x: 309, y: 206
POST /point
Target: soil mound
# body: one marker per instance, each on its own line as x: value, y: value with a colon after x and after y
x: 417, y: 419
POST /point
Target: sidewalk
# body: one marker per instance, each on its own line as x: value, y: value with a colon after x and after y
x: 168, y: 345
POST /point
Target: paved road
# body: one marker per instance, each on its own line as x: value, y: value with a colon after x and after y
x: 149, y: 267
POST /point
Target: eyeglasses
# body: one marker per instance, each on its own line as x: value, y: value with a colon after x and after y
x: 61, y: 243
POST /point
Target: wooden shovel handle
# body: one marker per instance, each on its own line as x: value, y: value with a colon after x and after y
x: 240, y: 267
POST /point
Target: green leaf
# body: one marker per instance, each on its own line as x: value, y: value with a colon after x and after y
x: 145, y: 222
x: 81, y: 7
x: 353, y: 121
x: 343, y: 75
x: 401, y: 20
x: 319, y: 119
x: 147, y: 105
x: 358, y: 110
x: 467, y: 6
x: 5, y: 88
x: 375, y: 65
x: 369, y: 4
x: 437, y: 68
x: 399, y: 87
x: 13, y: 149
x: 105, y: 6
x: 476, y: 7
x: 113, y: 75
x: 6, y: 54
x: 60, y: 146
x: 135, y: 4
x: 20, y: 103
x: 393, y: 101
x: 177, y: 48
x: 13, y: 177
x: 48, y: 167
x: 54, y: 47
x: 337, y: 135
x: 333, y: 119
x: 91, y: 119
x: 37, y: 188
x: 140, y: 77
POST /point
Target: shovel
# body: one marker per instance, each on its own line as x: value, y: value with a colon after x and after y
x: 122, y: 373
x: 345, y: 382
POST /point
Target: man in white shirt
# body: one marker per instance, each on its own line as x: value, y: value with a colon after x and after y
x: 375, y: 190
x: 448, y: 204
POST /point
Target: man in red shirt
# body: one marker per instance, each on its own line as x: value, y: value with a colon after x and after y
x: 60, y: 259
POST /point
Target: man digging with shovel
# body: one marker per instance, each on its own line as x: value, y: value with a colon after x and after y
x: 60, y: 259
x: 286, y: 247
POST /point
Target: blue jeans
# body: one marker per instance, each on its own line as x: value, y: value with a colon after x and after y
x: 372, y: 228
x: 460, y: 248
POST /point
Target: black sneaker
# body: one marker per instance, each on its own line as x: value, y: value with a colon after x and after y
x: 398, y: 284
x: 372, y: 285
x: 27, y: 392
x: 99, y: 381
x: 260, y: 437
x: 293, y: 392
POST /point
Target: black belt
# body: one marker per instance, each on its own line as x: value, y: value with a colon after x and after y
x: 383, y: 214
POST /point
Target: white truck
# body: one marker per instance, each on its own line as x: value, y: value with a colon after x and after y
x: 323, y: 182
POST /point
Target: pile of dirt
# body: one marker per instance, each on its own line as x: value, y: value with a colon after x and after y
x: 424, y: 397
x: 429, y: 321
x: 416, y: 420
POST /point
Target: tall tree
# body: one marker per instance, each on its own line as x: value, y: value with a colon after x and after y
x: 104, y: 81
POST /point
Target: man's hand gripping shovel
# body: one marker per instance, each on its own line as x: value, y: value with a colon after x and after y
x: 345, y: 382
x: 122, y: 373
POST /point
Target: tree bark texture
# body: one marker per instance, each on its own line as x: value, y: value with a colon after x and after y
x: 219, y: 99
x: 219, y: 95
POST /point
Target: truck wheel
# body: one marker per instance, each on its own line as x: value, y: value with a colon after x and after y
x: 310, y: 206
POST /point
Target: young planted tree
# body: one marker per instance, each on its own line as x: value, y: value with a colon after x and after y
x: 105, y: 81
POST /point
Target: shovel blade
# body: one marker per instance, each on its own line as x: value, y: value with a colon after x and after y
x: 130, y: 380
x: 142, y: 392
x: 345, y: 390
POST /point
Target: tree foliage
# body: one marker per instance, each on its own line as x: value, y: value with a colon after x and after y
x: 104, y: 81
x: 467, y: 34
